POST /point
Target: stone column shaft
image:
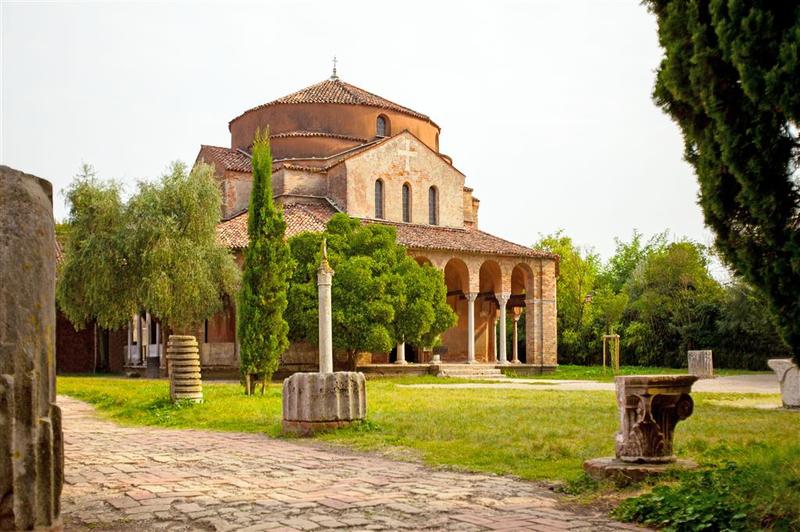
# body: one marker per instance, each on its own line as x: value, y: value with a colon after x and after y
x: 515, y: 347
x: 503, y: 300
x: 324, y: 280
x: 401, y: 353
x: 471, y: 299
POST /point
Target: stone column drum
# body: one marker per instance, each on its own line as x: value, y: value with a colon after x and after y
x: 31, y: 441
x: 184, y: 375
x: 701, y: 364
x: 789, y: 377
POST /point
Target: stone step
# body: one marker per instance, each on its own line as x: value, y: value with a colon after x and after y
x: 469, y: 371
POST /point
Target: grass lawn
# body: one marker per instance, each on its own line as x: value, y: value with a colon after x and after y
x: 598, y: 373
x: 534, y: 434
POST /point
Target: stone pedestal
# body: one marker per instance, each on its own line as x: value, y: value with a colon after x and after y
x: 650, y: 407
x: 31, y: 441
x: 789, y: 376
x: 185, y: 381
x: 701, y: 364
x: 323, y: 401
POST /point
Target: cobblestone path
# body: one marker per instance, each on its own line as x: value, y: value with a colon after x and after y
x: 123, y: 478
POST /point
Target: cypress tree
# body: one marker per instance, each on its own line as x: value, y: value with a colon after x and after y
x: 262, y: 329
x: 729, y: 78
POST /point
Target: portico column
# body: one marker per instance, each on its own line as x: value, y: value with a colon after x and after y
x: 471, y: 298
x: 502, y: 300
x: 401, y: 353
x: 515, y: 347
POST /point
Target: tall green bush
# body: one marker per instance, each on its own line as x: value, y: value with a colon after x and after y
x: 262, y: 329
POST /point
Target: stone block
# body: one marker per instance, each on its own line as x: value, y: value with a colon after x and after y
x: 323, y: 401
x: 624, y: 473
x: 701, y: 364
x: 31, y: 440
x: 789, y: 376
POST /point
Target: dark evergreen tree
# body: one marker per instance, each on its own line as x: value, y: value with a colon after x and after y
x: 729, y: 78
x: 263, y: 331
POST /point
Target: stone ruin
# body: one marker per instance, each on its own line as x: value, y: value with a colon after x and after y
x: 789, y: 377
x: 31, y: 441
x: 650, y: 406
x: 701, y: 364
x: 327, y: 399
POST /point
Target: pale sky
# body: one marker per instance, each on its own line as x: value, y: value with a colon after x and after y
x: 544, y: 105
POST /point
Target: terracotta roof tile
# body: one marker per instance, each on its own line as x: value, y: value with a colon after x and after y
x: 299, y: 217
x: 314, y: 217
x: 292, y: 134
x: 456, y: 239
x: 334, y: 90
x: 228, y: 158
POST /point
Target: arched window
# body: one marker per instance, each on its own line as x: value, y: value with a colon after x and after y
x: 406, y: 202
x: 433, y: 206
x: 378, y: 199
x: 382, y: 126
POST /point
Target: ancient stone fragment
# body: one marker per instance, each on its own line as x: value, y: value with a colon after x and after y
x: 320, y: 401
x: 31, y: 442
x: 649, y: 408
x: 789, y: 376
x: 701, y: 364
x: 184, y: 375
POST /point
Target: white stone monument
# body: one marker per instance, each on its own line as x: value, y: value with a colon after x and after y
x: 327, y: 399
x: 701, y: 364
x: 789, y: 376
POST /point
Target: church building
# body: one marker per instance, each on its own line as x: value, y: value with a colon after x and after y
x: 338, y: 148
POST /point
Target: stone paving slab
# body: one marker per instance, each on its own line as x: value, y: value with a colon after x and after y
x: 143, y: 478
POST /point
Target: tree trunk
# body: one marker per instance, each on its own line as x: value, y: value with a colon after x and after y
x: 263, y: 384
x: 247, y: 384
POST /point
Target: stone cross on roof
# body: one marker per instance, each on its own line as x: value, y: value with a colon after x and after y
x: 334, y: 76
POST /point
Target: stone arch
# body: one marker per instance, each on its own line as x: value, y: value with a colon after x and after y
x: 522, y: 280
x: 491, y: 277
x: 456, y: 276
x: 422, y: 260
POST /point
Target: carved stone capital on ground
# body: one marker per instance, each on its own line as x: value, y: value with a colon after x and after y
x: 650, y: 408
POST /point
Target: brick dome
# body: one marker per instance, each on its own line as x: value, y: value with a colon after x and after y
x: 327, y: 118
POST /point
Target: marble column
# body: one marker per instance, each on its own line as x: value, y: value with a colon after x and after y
x: 471, y: 299
x: 502, y: 300
x: 401, y: 353
x: 324, y: 280
x: 515, y: 347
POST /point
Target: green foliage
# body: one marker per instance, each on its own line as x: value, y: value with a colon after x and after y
x: 673, y: 304
x: 158, y: 251
x: 263, y: 331
x: 380, y: 294
x: 579, y: 269
x: 702, y: 501
x: 95, y: 279
x: 183, y: 272
x: 662, y: 300
x: 729, y: 78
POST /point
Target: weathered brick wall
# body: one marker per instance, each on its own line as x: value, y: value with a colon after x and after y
x: 387, y: 162
x: 74, y: 349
